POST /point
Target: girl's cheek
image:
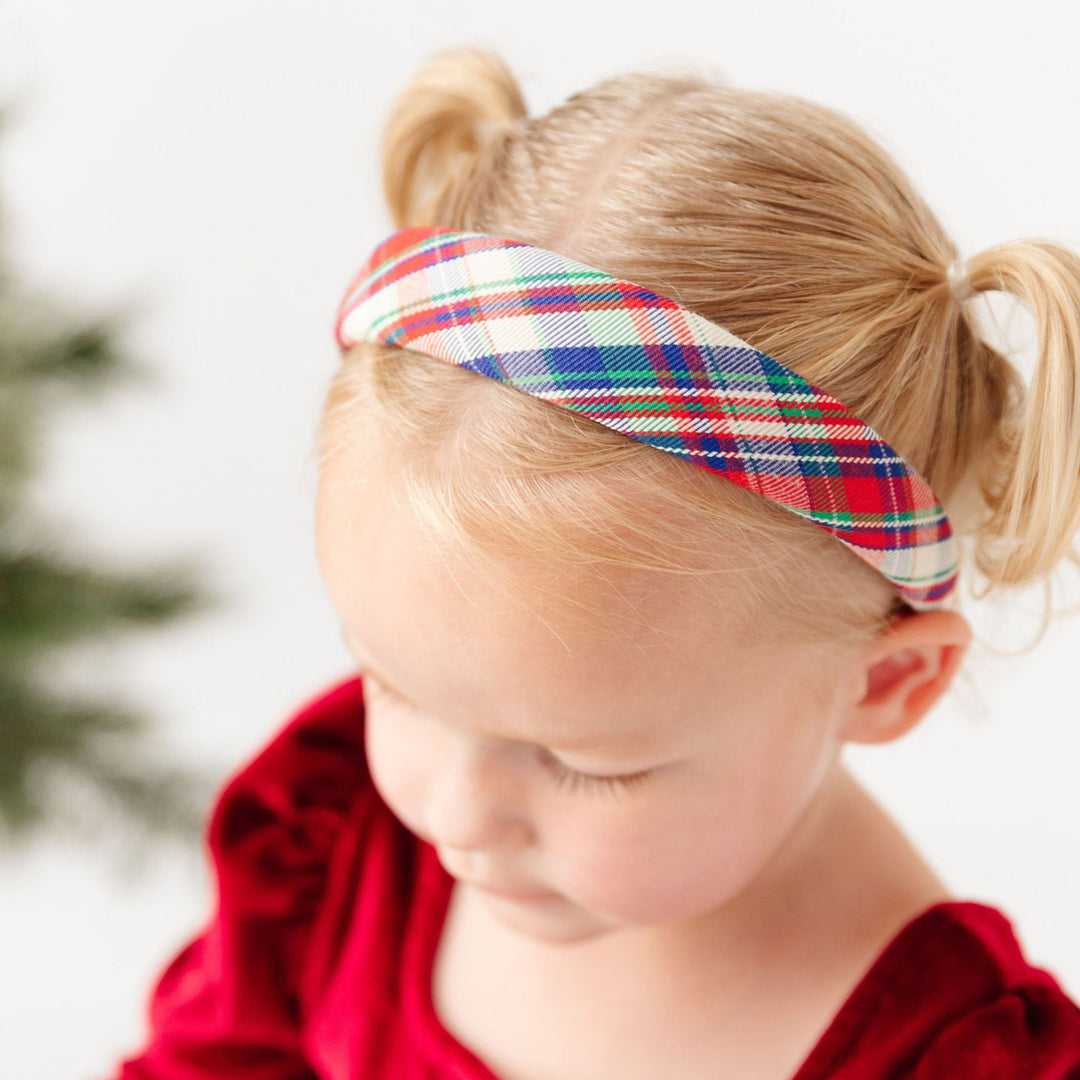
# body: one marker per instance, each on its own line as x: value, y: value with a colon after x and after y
x: 397, y: 761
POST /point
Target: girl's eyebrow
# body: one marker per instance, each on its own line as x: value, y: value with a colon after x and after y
x: 604, y: 746
x: 371, y: 667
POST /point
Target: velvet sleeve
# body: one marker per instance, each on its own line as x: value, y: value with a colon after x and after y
x: 1031, y: 1032
x: 227, y: 1005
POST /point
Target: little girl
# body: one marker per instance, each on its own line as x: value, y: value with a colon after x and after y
x: 583, y: 813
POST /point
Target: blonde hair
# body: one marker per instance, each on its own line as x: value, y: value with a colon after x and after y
x: 787, y: 224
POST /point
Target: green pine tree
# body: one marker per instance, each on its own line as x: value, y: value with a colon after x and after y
x: 75, y: 765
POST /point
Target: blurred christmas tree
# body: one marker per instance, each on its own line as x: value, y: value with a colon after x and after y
x: 71, y: 764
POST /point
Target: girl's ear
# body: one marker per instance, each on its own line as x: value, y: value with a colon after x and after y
x: 900, y: 675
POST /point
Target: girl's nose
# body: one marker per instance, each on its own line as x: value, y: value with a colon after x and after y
x: 475, y: 800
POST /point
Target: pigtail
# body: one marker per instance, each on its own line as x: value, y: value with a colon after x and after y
x: 1030, y: 479
x: 453, y: 109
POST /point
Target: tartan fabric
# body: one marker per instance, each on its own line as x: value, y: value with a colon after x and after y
x: 647, y: 367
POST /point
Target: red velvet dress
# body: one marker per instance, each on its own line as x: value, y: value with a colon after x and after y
x: 316, y: 962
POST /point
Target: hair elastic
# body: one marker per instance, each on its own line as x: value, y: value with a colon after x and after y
x: 643, y: 365
x: 959, y: 283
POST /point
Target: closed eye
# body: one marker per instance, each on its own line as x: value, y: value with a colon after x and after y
x: 563, y: 774
x: 575, y: 779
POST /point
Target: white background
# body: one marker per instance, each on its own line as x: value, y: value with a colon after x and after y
x: 211, y: 166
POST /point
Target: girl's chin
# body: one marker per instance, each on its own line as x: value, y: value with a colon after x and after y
x: 553, y: 920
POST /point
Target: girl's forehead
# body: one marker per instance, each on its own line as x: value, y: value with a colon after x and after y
x: 388, y: 571
x: 563, y: 647
x: 498, y: 670
x: 366, y: 532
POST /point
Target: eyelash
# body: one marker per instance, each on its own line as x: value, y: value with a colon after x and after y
x: 563, y: 774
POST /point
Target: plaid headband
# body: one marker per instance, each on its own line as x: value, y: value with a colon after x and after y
x: 651, y: 369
